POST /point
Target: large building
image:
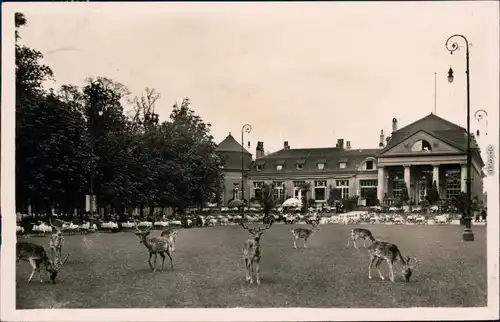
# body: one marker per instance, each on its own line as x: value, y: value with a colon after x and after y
x: 429, y: 150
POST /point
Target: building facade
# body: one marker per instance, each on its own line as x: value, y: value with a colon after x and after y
x: 428, y: 150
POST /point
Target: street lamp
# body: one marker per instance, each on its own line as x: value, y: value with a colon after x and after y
x: 245, y: 128
x: 451, y: 46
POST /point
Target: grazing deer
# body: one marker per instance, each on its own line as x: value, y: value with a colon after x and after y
x: 384, y: 251
x: 56, y: 244
x: 360, y: 233
x: 252, y: 252
x: 36, y: 255
x: 304, y: 233
x: 155, y: 245
x: 172, y: 235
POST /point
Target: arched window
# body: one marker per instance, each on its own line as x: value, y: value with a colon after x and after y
x: 421, y: 145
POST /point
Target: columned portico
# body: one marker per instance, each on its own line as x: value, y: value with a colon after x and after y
x: 463, y: 177
x: 435, y: 174
x: 381, y: 183
x: 407, y: 176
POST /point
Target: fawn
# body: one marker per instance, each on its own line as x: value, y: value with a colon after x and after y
x: 304, y: 233
x: 384, y: 251
x: 360, y: 233
x: 252, y: 252
x: 171, y: 234
x: 155, y: 245
x: 36, y: 255
x: 56, y: 244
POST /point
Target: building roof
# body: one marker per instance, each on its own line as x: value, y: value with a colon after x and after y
x: 229, y: 144
x: 309, y: 158
x: 442, y: 129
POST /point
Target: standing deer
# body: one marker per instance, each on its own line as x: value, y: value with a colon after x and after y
x: 155, y: 245
x: 304, y: 233
x: 36, y: 255
x: 56, y: 244
x: 171, y: 234
x: 360, y: 233
x: 384, y: 251
x: 252, y: 252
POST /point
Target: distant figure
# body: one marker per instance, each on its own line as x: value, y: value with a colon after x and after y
x: 483, y: 215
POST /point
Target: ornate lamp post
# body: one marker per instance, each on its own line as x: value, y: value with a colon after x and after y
x: 93, y: 126
x: 451, y: 46
x: 245, y: 128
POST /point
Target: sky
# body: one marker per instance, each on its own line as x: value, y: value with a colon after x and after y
x: 306, y: 73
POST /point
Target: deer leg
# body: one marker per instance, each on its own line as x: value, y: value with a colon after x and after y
x: 162, y: 260
x: 377, y: 265
x: 364, y: 242
x: 40, y: 273
x: 154, y: 263
x: 372, y: 259
x: 349, y: 240
x: 251, y: 270
x: 171, y: 261
x: 33, y: 267
x: 294, y: 242
x: 149, y: 261
x: 247, y: 270
x: 391, y: 270
x: 305, y: 242
x: 355, y: 246
x: 257, y: 271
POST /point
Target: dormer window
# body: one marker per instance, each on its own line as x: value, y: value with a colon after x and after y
x: 300, y: 164
x: 369, y: 165
x: 279, y: 167
x: 321, y: 166
x: 342, y: 165
x: 259, y: 168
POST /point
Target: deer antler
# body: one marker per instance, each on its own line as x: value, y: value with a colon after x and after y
x: 63, y: 262
x: 50, y: 222
x: 140, y: 230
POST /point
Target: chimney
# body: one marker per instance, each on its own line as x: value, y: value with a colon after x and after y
x: 340, y: 143
x: 259, y: 150
x: 348, y: 145
x: 381, y: 142
x: 286, y: 146
x: 394, y: 125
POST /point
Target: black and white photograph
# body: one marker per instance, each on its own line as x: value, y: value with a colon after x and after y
x: 250, y: 161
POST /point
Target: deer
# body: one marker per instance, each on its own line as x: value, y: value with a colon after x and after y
x: 384, y: 251
x: 304, y: 233
x: 56, y: 244
x: 360, y: 233
x: 155, y: 245
x: 172, y: 235
x: 36, y: 255
x: 252, y: 252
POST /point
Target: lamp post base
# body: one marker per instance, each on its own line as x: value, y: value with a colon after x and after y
x: 468, y: 235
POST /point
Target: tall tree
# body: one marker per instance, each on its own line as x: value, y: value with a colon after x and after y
x: 434, y: 194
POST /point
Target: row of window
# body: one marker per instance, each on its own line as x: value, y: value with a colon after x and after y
x: 320, y: 166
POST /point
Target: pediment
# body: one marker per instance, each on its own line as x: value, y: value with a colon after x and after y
x: 422, y: 143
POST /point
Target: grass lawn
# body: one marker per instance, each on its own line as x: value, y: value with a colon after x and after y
x: 110, y: 271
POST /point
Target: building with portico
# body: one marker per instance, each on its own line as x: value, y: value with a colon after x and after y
x: 428, y: 150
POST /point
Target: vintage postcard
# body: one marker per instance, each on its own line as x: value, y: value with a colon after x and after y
x: 263, y: 161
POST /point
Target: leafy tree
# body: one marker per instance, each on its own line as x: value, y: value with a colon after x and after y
x: 371, y: 197
x: 461, y: 203
x: 434, y: 194
x: 404, y: 197
x: 199, y: 179
x: 305, y: 188
x: 267, y: 200
x: 334, y: 195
